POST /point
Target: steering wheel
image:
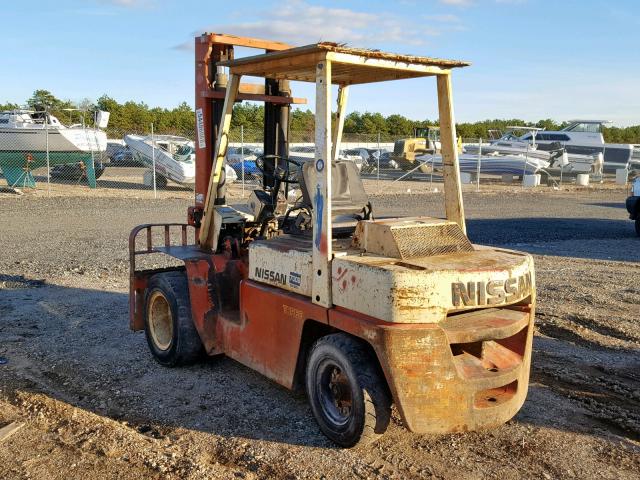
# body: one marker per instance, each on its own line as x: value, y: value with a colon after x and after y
x: 283, y: 173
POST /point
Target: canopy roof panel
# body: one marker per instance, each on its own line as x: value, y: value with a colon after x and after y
x: 349, y: 65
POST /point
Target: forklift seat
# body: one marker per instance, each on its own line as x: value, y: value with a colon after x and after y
x: 348, y: 197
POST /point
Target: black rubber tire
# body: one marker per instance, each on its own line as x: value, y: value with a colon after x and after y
x: 370, y: 411
x: 186, y: 346
x: 638, y: 226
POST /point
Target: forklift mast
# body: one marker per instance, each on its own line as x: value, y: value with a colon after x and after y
x: 210, y: 87
x: 276, y: 128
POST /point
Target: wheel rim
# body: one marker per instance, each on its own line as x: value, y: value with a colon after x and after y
x: 160, y: 321
x: 336, y: 399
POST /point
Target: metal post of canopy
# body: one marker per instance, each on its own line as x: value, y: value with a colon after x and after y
x: 321, y: 189
x: 208, y: 229
x: 450, y: 165
x: 343, y: 95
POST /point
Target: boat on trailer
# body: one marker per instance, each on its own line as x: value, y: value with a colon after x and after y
x: 513, y: 142
x: 510, y: 143
x: 28, y: 137
x: 516, y: 165
x: 174, y: 158
x: 584, y: 137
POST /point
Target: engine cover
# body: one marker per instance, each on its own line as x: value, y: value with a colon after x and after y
x: 406, y: 238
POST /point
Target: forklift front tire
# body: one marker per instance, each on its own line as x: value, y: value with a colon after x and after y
x: 348, y: 395
x: 171, y: 334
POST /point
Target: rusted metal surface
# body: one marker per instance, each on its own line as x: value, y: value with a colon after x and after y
x: 214, y: 290
x: 249, y: 42
x: 350, y: 65
x: 450, y: 323
x: 439, y: 392
x: 411, y: 237
x: 267, y: 335
x: 254, y: 97
x: 210, y: 89
x: 427, y: 289
x: 467, y: 372
x: 485, y: 324
x: 138, y: 279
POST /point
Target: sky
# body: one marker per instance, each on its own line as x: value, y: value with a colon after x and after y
x: 531, y: 59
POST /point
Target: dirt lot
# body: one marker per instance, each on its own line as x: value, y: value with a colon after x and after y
x: 95, y: 405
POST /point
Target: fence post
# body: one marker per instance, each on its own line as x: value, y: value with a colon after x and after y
x: 153, y: 161
x: 46, y: 127
x: 524, y: 167
x: 242, y: 155
x: 479, y: 162
x: 378, y: 169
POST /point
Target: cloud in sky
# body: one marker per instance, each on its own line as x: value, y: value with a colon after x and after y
x: 444, y: 18
x: 299, y: 23
x: 129, y: 3
x: 457, y: 3
x: 468, y: 3
x: 445, y: 22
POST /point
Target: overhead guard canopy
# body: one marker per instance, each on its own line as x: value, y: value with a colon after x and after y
x: 349, y: 65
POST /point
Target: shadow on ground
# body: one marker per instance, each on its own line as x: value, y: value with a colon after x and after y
x: 74, y: 345
x: 607, y: 204
x: 567, y: 237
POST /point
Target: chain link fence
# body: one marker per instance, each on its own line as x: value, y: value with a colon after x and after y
x: 81, y: 161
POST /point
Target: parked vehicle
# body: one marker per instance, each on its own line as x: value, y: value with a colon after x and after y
x: 237, y: 156
x: 304, y: 153
x: 362, y: 313
x: 633, y: 203
x: 121, y: 155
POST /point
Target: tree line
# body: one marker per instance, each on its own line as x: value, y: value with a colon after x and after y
x: 130, y: 116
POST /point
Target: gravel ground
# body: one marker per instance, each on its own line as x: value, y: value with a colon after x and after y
x: 95, y: 404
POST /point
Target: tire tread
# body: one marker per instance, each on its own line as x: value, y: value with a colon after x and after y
x: 188, y: 347
x: 376, y: 396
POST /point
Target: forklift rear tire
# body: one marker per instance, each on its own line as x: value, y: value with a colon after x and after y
x: 171, y: 334
x: 348, y: 395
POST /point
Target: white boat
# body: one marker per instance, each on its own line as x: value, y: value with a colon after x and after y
x: 489, y: 164
x: 174, y: 158
x: 27, y: 138
x: 584, y: 137
x: 510, y: 143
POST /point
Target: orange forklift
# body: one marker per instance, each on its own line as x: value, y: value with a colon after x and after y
x: 318, y: 294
